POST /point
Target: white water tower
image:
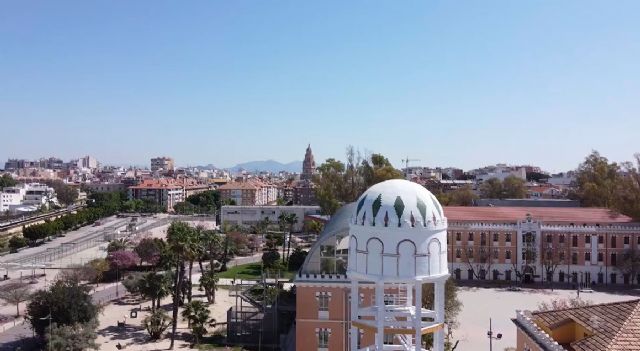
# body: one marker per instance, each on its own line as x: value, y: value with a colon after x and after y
x: 397, y: 243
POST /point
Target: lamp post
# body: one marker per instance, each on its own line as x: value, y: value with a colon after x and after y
x: 50, y: 327
x: 491, y: 337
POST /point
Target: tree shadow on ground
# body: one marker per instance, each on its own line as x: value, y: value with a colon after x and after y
x: 28, y: 343
x: 135, y: 333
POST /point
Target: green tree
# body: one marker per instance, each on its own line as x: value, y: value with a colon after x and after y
x: 628, y: 189
x: 629, y: 263
x: 209, y: 282
x: 179, y: 236
x: 463, y: 196
x: 155, y: 286
x: 196, y: 313
x: 16, y: 242
x: 297, y: 259
x: 6, y: 181
x: 156, y: 323
x: 74, y: 337
x: 491, y: 189
x: 270, y: 258
x: 67, y: 302
x: 330, y: 186
x: 452, y: 306
x: 121, y: 244
x: 98, y: 266
x: 66, y: 194
x: 132, y: 283
x: 596, y: 181
x: 378, y: 169
x: 513, y: 188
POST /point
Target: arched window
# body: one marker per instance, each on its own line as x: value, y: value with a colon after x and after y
x: 374, y: 256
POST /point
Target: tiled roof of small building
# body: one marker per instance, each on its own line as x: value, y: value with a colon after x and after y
x: 615, y: 326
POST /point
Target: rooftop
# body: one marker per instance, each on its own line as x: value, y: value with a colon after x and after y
x: 577, y: 215
x: 611, y: 326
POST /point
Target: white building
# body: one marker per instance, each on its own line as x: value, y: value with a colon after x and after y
x: 503, y: 172
x: 27, y: 198
x: 251, y: 215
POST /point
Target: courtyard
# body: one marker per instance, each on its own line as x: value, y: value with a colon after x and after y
x: 499, y: 304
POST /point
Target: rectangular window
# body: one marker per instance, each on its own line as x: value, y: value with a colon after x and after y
x: 574, y: 258
x: 470, y: 253
x: 507, y: 237
x: 323, y: 338
x: 613, y: 242
x: 600, y: 239
x: 483, y: 239
x: 561, y: 256
x: 496, y: 236
x: 574, y: 241
x: 458, y: 236
x: 323, y: 301
x: 458, y: 253
x: 587, y: 256
x: 561, y: 239
x: 613, y: 259
x: 507, y: 254
x: 470, y: 236
x: 600, y: 256
x: 587, y: 239
x: 388, y: 339
x: 495, y: 254
x: 626, y: 240
x: 638, y: 239
x: 507, y: 275
x: 549, y: 238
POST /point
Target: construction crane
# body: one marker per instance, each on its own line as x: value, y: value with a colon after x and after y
x: 406, y: 165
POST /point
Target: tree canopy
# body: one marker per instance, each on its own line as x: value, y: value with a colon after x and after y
x: 7, y: 180
x: 338, y: 183
x: 68, y: 302
x: 600, y: 183
x: 511, y: 187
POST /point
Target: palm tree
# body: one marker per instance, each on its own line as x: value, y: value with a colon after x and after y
x: 155, y: 286
x: 291, y: 220
x: 178, y: 237
x: 209, y: 281
x: 194, y: 251
x: 119, y: 245
x: 196, y: 313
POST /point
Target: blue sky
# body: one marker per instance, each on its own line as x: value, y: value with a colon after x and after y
x: 452, y: 83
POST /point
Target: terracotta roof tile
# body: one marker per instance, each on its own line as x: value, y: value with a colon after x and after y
x: 615, y: 326
x: 577, y: 215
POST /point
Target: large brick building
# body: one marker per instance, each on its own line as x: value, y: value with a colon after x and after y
x: 563, y: 245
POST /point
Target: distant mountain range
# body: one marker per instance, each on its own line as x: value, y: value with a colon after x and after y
x: 268, y: 166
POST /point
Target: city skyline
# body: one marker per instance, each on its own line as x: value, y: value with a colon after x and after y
x: 225, y: 83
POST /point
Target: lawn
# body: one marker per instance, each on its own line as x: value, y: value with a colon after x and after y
x: 249, y: 271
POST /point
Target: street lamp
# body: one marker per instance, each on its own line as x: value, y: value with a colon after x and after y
x: 491, y: 337
x: 50, y: 327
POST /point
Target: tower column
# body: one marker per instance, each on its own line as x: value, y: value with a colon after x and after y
x: 438, y: 337
x: 418, y: 316
x: 355, y: 302
x: 380, y: 318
